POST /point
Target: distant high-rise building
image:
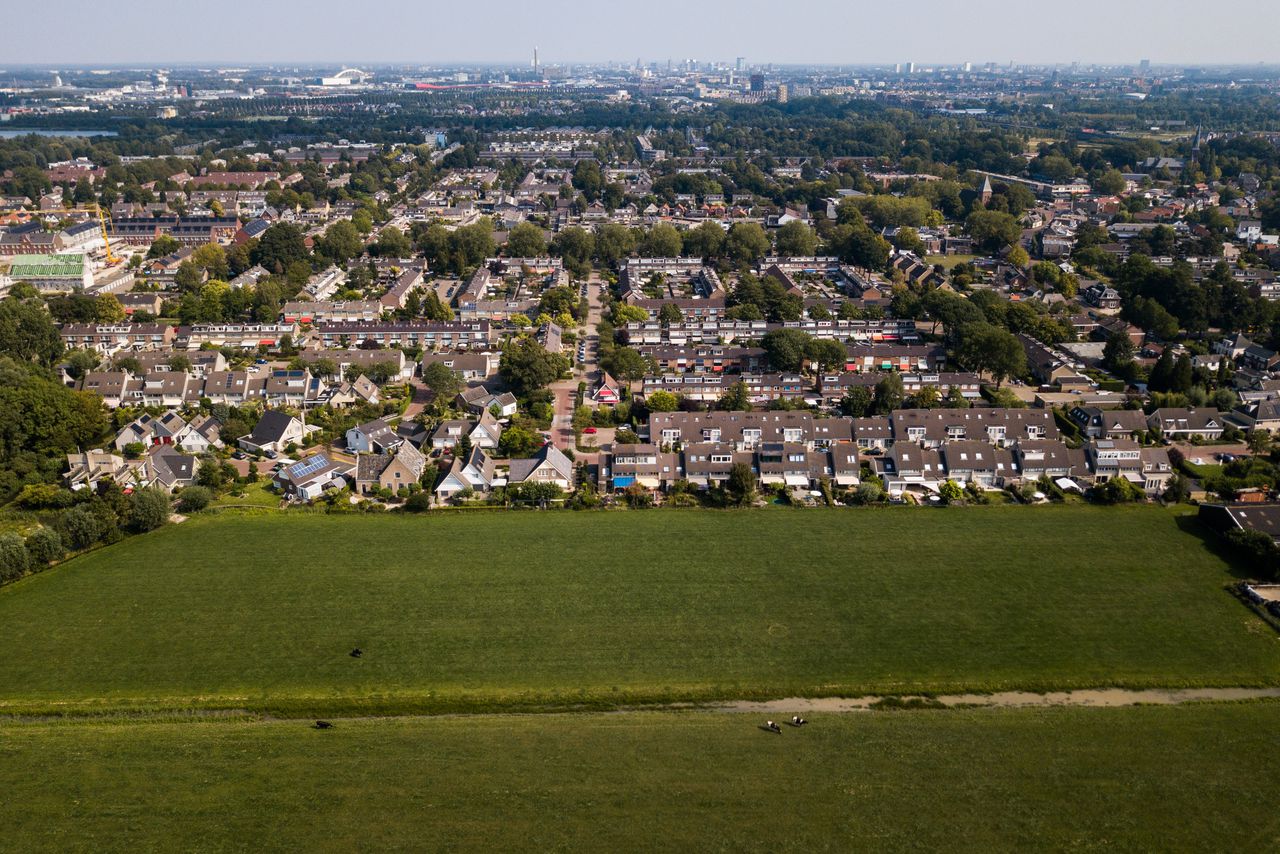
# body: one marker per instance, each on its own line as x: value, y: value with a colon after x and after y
x: 897, y: 68
x: 782, y: 93
x: 911, y: 68
x: 738, y: 63
x: 1144, y: 66
x: 968, y: 66
x: 757, y: 82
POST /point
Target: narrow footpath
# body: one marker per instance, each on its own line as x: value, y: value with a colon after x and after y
x: 1095, y: 697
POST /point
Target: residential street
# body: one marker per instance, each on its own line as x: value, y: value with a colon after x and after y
x: 588, y: 371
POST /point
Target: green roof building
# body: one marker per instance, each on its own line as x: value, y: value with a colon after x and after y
x: 53, y: 273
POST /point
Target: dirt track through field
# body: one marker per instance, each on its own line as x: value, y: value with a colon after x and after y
x: 1098, y: 697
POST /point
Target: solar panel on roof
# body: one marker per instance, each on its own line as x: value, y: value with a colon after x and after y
x: 307, y: 467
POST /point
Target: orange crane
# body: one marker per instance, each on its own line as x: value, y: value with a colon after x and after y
x: 112, y: 258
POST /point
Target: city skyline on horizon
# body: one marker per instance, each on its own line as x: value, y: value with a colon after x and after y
x: 705, y: 63
x: 981, y: 32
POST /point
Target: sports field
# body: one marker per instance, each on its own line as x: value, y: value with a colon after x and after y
x: 1137, y: 778
x: 493, y: 612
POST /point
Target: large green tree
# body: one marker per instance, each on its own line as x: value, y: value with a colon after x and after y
x: 889, y: 394
x: 736, y: 398
x: 856, y: 402
x: 526, y: 366
x: 826, y: 354
x: 526, y: 240
x: 705, y: 241
x: 575, y: 246
x: 281, y: 244
x: 988, y: 348
x: 341, y: 242
x: 746, y: 242
x: 1118, y: 353
x: 993, y: 230
x: 613, y: 243
x: 662, y: 241
x: 740, y: 488
x: 444, y: 382
x: 796, y: 239
x: 786, y: 348
x: 149, y: 509
x: 163, y: 245
x: 27, y: 332
x: 41, y: 421
x: 392, y: 243
x: 587, y: 179
x: 855, y: 243
x: 626, y: 363
x: 662, y: 401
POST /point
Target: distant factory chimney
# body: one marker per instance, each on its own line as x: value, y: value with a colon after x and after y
x: 535, y: 60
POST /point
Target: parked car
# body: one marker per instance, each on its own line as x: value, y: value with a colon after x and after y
x: 589, y: 430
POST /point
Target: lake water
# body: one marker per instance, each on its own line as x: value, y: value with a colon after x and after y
x: 10, y: 133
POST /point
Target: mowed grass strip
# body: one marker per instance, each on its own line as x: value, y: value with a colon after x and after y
x: 1136, y: 778
x: 494, y: 611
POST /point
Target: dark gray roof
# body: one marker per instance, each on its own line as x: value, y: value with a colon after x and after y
x: 370, y: 466
x: 271, y: 427
x: 171, y: 466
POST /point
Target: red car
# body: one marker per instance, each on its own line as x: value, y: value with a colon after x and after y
x: 589, y: 430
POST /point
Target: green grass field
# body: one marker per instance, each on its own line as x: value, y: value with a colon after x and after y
x: 1205, y: 470
x: 949, y: 261
x: 496, y: 611
x: 254, y: 495
x: 1191, y: 778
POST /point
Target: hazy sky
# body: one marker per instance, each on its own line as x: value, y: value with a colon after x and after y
x: 340, y: 32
